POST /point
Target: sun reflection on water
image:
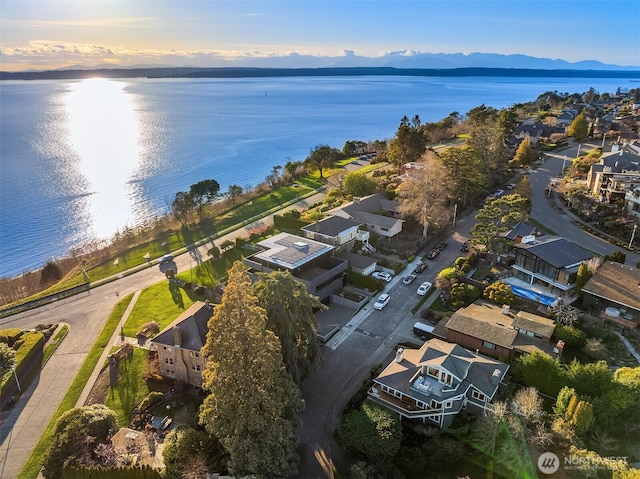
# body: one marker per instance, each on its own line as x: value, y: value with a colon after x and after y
x: 104, y: 132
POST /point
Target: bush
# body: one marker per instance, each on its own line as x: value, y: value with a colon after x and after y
x: 149, y: 329
x: 570, y: 335
x: 154, y: 397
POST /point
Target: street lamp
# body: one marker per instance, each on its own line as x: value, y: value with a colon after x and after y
x: 455, y: 212
x: 15, y: 375
x: 633, y: 235
x: 564, y: 162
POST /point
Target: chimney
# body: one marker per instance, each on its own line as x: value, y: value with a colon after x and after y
x: 177, y: 337
x: 559, y: 347
x: 399, y: 354
x: 505, y: 309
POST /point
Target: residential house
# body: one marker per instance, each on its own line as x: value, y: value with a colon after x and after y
x: 632, y: 201
x: 497, y: 331
x: 617, y: 171
x: 434, y: 383
x: 375, y: 212
x: 336, y: 231
x: 519, y: 231
x: 179, y: 345
x: 550, y: 263
x: 361, y: 264
x: 613, y: 293
x: 534, y: 130
x: 565, y: 118
x: 309, y: 261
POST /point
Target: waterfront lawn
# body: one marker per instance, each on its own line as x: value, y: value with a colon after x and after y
x: 212, y: 272
x: 162, y: 303
x: 131, y: 388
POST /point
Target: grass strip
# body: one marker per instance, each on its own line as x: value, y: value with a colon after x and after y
x: 53, y: 345
x: 33, y: 465
x: 417, y: 307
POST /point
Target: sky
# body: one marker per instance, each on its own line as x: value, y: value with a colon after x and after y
x: 49, y: 34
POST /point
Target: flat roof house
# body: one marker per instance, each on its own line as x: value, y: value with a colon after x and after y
x: 496, y: 331
x: 613, y: 293
x: 179, y: 344
x: 551, y: 262
x: 434, y: 383
x: 310, y: 262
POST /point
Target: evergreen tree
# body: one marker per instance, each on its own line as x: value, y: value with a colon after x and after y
x: 253, y: 404
x: 465, y: 175
x: 290, y: 316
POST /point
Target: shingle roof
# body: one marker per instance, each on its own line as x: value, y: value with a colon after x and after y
x: 484, y: 321
x: 616, y: 282
x: 558, y: 252
x: 521, y: 229
x: 192, y: 325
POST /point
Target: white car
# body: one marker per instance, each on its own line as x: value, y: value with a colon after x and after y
x: 424, y: 288
x: 382, y: 301
x: 409, y: 279
x: 382, y: 275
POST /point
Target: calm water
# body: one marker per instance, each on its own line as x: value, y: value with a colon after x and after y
x: 80, y: 160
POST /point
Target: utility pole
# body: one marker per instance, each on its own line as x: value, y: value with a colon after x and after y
x: 455, y: 213
x: 633, y: 235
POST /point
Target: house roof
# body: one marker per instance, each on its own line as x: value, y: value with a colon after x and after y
x: 616, y: 282
x: 520, y: 230
x: 556, y: 251
x: 291, y: 251
x: 486, y: 321
x: 367, y: 210
x: 331, y: 226
x: 472, y: 369
x: 359, y: 261
x: 192, y: 327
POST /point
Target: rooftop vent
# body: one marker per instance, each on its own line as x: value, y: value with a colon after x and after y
x: 399, y: 355
x: 505, y: 309
x: 528, y: 239
x: 495, y: 377
x: 301, y: 246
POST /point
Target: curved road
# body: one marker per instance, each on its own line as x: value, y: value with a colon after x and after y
x: 347, y: 361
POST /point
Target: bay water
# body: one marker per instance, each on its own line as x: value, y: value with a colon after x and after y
x: 83, y: 159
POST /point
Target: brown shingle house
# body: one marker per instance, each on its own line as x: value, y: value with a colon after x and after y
x: 613, y: 293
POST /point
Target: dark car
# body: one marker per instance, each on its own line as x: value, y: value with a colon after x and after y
x: 433, y: 253
x: 465, y: 246
x: 442, y: 245
x: 420, y: 267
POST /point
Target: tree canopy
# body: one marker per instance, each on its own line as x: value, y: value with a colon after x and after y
x: 253, y: 404
x: 579, y: 128
x: 202, y: 193
x: 290, y: 316
x: 323, y: 156
x: 497, y: 217
x: 408, y: 144
x: 356, y: 183
x: 465, y: 176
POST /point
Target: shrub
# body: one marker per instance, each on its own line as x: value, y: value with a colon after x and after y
x: 500, y: 293
x: 154, y: 397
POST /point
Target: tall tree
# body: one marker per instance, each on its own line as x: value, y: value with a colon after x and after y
x: 356, y: 183
x: 181, y: 206
x: 354, y: 147
x: 524, y: 189
x: 424, y: 195
x: 524, y: 153
x: 497, y: 217
x: 202, y: 193
x: 488, y: 141
x: 465, y: 175
x: 7, y: 360
x: 507, y: 121
x: 253, y: 403
x: 233, y: 192
x: 408, y: 144
x: 579, y: 128
x: 323, y: 156
x: 290, y: 315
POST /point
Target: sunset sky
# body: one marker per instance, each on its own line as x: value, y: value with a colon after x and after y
x: 47, y: 34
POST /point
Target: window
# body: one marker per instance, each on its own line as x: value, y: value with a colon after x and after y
x: 488, y: 345
x: 193, y: 354
x: 446, y: 378
x: 448, y: 404
x: 195, y: 367
x: 434, y: 372
x: 434, y: 404
x: 477, y: 395
x: 168, y: 360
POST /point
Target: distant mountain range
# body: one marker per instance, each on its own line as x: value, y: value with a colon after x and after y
x: 393, y: 63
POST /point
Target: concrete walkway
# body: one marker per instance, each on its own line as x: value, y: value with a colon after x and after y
x: 629, y: 346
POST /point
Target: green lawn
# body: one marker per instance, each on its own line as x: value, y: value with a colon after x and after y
x: 131, y: 387
x: 211, y: 272
x: 161, y: 303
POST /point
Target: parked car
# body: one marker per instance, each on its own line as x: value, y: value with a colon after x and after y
x: 510, y: 186
x: 420, y: 267
x: 498, y: 193
x: 465, y: 246
x: 386, y: 277
x: 409, y: 279
x: 382, y: 301
x: 433, y: 253
x: 442, y: 245
x: 167, y: 258
x: 424, y: 288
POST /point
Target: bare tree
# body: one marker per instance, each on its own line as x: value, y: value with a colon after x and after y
x: 424, y: 195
